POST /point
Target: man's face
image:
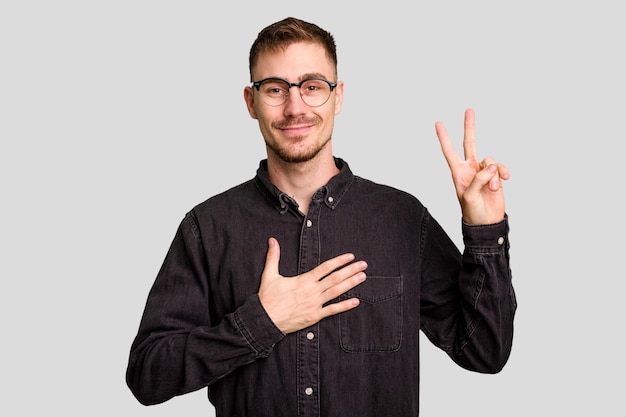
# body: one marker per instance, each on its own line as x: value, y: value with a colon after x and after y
x: 295, y: 132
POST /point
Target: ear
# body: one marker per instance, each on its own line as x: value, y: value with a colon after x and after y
x: 248, y: 96
x: 338, y: 96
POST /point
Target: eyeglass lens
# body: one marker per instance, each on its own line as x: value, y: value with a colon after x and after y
x: 314, y: 92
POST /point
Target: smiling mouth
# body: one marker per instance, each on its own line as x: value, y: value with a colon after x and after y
x: 296, y: 130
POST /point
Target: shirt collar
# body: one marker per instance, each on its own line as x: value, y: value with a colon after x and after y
x: 332, y: 192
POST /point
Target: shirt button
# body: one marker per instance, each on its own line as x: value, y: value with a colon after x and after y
x: 500, y: 240
x: 310, y: 336
x: 308, y: 391
x: 330, y: 199
x: 309, y: 223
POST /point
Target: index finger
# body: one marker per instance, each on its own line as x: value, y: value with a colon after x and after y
x: 469, y: 136
x: 446, y: 145
x: 327, y: 267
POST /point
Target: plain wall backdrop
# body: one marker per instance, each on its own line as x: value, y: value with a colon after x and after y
x: 117, y: 117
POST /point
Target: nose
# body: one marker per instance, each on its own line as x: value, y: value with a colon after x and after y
x: 295, y: 104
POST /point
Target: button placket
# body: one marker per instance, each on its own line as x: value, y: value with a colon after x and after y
x: 308, y: 342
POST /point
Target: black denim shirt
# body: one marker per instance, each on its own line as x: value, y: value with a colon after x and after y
x: 203, y: 324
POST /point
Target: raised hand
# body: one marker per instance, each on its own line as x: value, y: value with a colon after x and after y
x: 478, y: 184
x: 294, y: 303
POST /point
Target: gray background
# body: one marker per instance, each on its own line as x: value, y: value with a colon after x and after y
x: 116, y: 117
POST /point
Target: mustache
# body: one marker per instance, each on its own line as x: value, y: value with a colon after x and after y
x: 284, y: 124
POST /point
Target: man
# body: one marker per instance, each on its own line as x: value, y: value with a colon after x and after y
x: 263, y: 296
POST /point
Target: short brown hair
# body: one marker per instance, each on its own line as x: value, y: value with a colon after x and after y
x: 290, y: 30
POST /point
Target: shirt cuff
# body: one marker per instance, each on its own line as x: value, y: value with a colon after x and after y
x: 486, y: 235
x: 256, y: 326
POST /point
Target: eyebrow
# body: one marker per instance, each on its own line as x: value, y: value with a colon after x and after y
x: 313, y: 75
x: 303, y: 76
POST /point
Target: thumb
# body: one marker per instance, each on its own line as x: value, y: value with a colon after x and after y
x: 272, y: 257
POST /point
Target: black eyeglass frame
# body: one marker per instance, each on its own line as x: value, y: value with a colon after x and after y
x: 332, y: 85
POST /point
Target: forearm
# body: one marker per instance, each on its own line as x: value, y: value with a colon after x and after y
x: 486, y: 285
x: 468, y: 300
x: 167, y: 363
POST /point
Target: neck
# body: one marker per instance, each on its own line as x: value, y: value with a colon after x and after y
x: 301, y: 180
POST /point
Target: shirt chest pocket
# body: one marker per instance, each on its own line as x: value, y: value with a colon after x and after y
x: 376, y: 324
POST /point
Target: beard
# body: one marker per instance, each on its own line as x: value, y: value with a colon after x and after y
x: 286, y: 152
x: 303, y: 155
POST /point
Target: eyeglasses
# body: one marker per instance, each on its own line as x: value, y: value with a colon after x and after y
x: 275, y: 91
